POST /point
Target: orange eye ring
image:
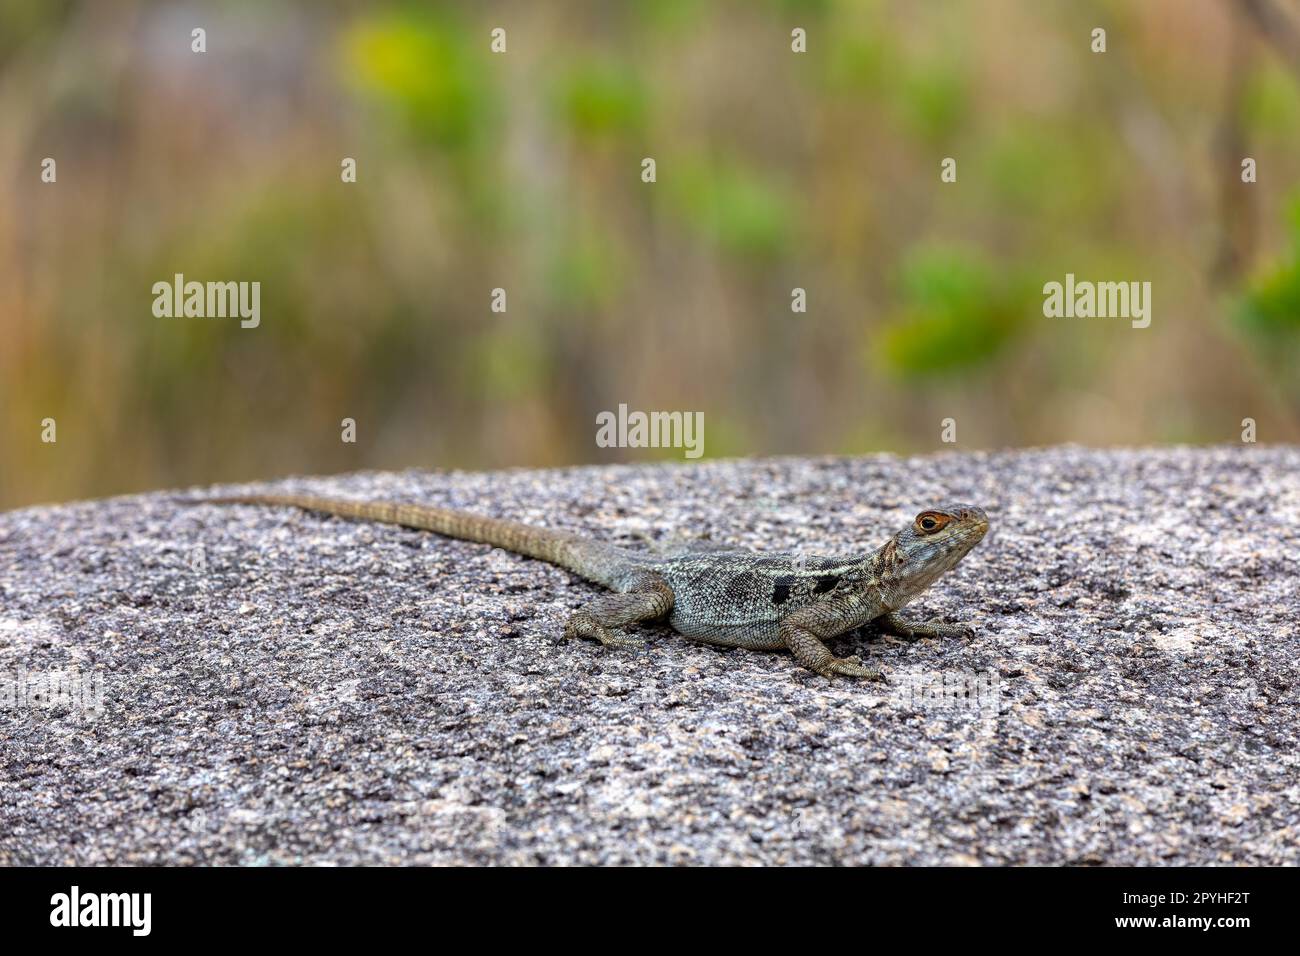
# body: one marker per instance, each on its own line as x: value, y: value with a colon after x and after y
x: 928, y: 522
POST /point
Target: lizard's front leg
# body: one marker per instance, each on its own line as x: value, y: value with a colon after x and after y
x: 804, y: 630
x: 895, y: 623
x: 648, y: 597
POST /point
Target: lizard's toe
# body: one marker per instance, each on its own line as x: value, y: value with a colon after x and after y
x: 583, y: 624
x: 624, y: 642
x: 853, y: 667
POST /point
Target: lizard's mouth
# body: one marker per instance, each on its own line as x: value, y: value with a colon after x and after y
x: 964, y: 540
x: 971, y: 533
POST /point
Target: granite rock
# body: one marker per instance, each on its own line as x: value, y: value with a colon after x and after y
x: 247, y: 685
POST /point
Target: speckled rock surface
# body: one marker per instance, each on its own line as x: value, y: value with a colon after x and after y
x: 282, y: 688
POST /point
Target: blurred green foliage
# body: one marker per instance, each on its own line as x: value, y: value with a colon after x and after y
x: 421, y: 65
x: 603, y: 98
x: 932, y: 100
x: 587, y: 272
x: 521, y: 171
x: 956, y: 315
x: 1270, y: 311
x: 23, y: 24
x: 1045, y: 169
x: 1271, y: 101
x: 733, y: 205
x: 858, y: 63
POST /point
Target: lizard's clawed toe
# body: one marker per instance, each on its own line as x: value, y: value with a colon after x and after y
x: 954, y: 631
x: 853, y: 667
x: 624, y: 642
x: 909, y: 631
x: 584, y: 625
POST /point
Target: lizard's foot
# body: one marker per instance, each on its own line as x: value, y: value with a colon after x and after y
x: 852, y: 667
x: 910, y: 631
x: 583, y: 624
x: 648, y: 598
x: 809, y: 651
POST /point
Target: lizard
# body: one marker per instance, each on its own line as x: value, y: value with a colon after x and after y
x: 730, y: 598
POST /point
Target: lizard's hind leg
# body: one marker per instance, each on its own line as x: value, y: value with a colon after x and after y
x: 647, y: 597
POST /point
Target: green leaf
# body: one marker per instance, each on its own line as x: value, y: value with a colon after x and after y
x: 955, y: 316
x: 424, y: 70
x: 733, y: 206
x: 601, y: 98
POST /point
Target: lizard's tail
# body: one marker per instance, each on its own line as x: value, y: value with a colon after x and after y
x: 590, y: 559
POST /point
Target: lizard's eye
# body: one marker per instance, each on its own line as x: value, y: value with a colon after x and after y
x: 929, y: 521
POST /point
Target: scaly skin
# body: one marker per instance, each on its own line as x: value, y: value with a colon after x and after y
x: 731, y: 598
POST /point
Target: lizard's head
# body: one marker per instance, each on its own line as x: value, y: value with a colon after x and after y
x: 930, y: 546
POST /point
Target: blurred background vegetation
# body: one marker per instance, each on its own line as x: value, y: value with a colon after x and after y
x: 775, y: 170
